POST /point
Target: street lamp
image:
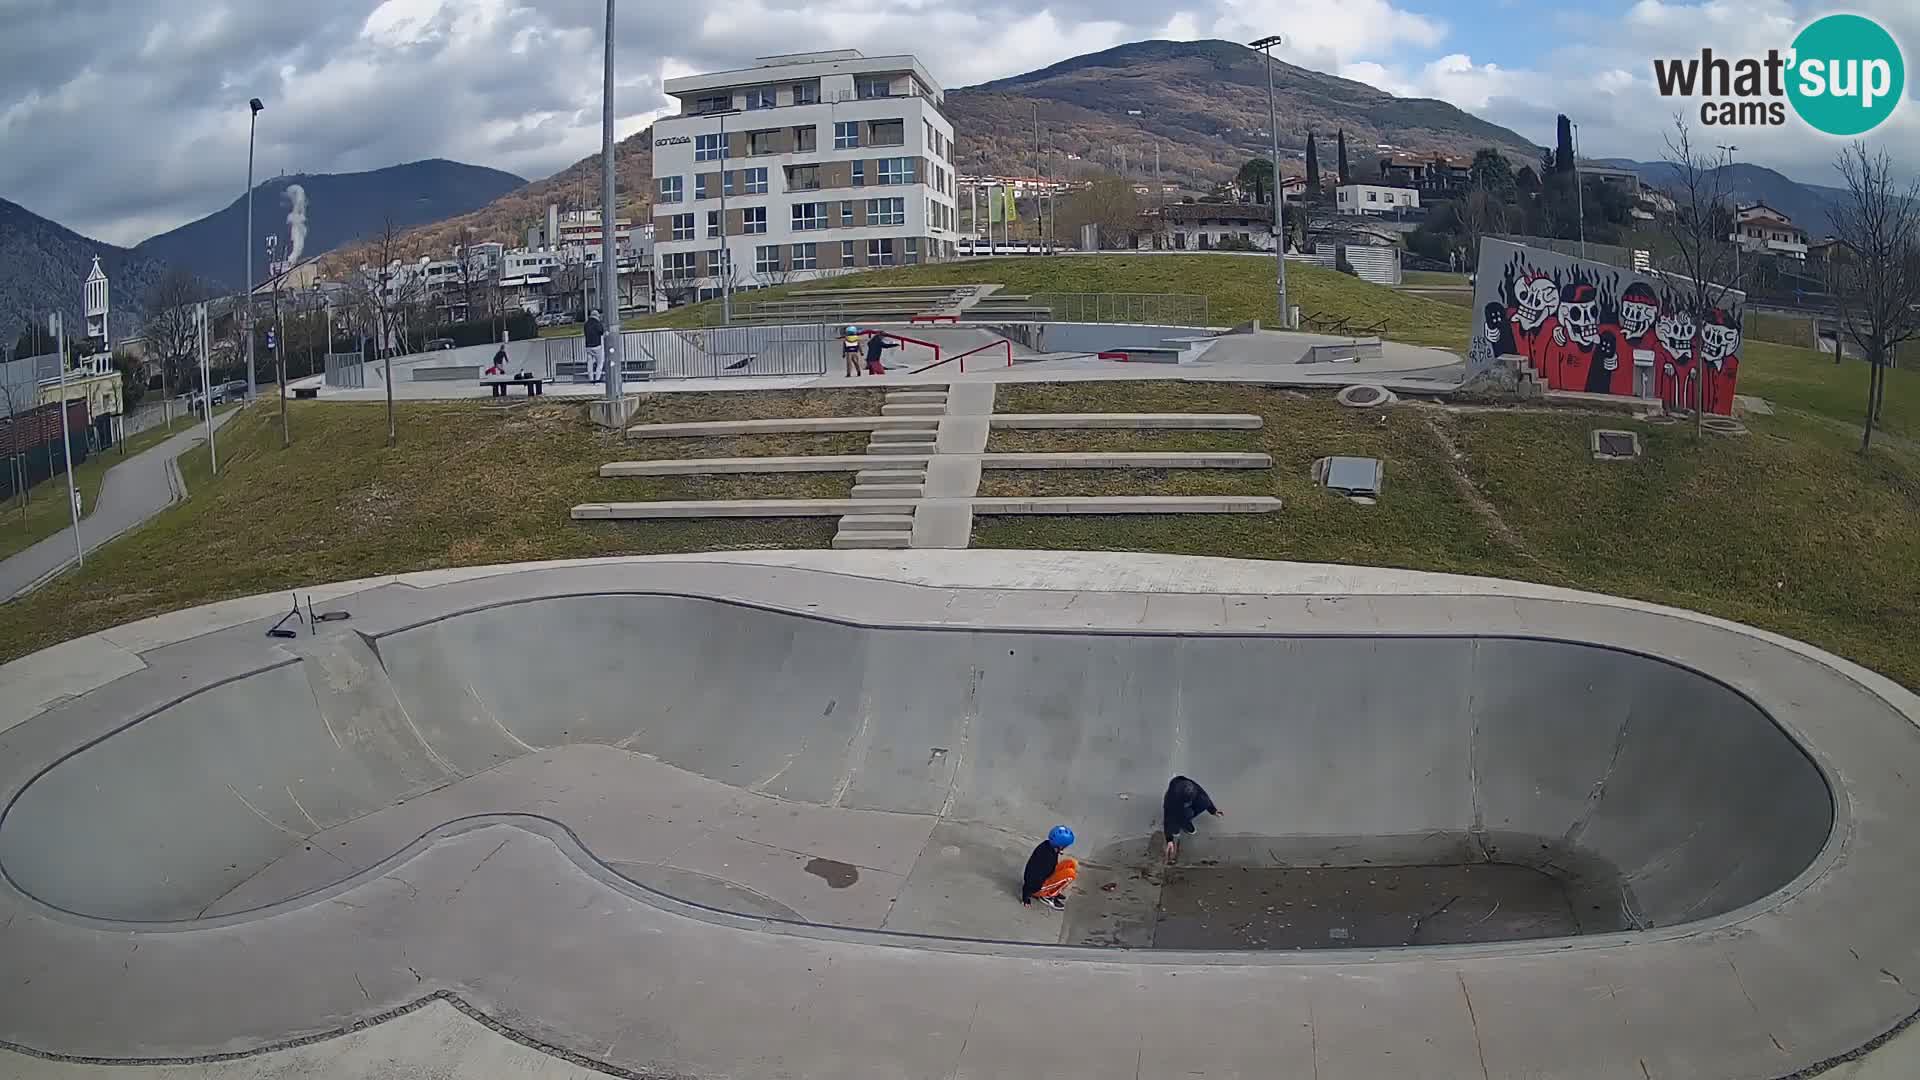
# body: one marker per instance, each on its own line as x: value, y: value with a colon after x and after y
x: 1579, y: 190
x: 1265, y: 45
x: 253, y: 119
x: 1738, y: 242
x: 609, y: 270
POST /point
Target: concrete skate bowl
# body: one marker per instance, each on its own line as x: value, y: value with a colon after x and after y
x: 802, y: 769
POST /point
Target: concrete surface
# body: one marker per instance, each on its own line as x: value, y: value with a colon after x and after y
x: 748, y: 508
x: 862, y: 775
x: 132, y: 491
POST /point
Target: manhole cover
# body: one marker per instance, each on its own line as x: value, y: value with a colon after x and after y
x: 1364, y: 397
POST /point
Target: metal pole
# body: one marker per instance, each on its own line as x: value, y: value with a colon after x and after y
x: 206, y: 386
x: 280, y: 367
x: 247, y: 296
x: 725, y: 269
x: 1038, y: 215
x: 59, y: 331
x: 610, y: 273
x: 1579, y: 191
x: 1265, y: 45
x: 1738, y: 240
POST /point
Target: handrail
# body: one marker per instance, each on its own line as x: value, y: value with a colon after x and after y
x: 1008, y: 342
x: 914, y: 341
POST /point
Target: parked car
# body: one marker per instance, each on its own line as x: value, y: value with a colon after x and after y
x: 440, y: 343
x: 235, y: 390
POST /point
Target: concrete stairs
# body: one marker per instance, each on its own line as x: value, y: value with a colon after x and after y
x: 918, y: 412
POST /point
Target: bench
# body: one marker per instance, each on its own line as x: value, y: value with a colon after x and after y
x: 306, y: 392
x: 535, y: 387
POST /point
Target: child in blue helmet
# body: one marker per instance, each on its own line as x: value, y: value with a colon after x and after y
x: 1048, y: 871
x: 850, y: 351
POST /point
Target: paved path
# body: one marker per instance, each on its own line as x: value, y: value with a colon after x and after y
x: 134, y: 490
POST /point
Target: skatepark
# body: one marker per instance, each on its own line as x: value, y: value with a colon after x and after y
x: 615, y: 807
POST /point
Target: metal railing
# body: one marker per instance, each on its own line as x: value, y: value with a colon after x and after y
x: 347, y: 370
x: 734, y: 351
x: 1159, y: 309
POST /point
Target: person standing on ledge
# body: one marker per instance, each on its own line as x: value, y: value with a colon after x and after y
x: 1185, y: 801
x: 1049, y: 872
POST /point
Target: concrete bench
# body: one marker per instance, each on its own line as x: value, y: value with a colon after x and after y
x: 535, y: 387
x: 446, y: 373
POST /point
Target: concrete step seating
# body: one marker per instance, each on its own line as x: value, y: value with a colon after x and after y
x: 917, y: 397
x: 890, y: 476
x: 873, y: 540
x: 739, y: 508
x: 877, y: 523
x: 888, y: 491
x: 891, y: 436
x: 913, y: 409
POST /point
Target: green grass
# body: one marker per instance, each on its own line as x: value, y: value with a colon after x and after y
x: 1237, y: 288
x: 1786, y: 528
x: 1806, y: 381
x: 467, y: 485
x: 46, y: 509
x: 1432, y: 277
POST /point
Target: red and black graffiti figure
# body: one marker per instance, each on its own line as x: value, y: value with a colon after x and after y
x: 1634, y: 340
x: 1576, y: 337
x: 1719, y: 362
x: 1673, y: 378
x: 1536, y: 301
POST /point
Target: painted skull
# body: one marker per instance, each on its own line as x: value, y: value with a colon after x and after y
x: 1580, y: 313
x: 1538, y: 298
x: 1638, y: 310
x: 1676, y: 331
x: 1719, y: 338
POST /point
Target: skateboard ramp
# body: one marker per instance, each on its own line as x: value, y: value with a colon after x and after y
x: 918, y: 766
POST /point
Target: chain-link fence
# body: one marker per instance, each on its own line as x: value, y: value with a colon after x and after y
x: 1158, y: 309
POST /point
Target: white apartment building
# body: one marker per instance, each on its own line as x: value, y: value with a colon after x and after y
x: 1374, y: 199
x: 803, y: 166
x: 1762, y: 228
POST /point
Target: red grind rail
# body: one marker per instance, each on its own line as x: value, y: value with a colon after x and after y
x: 1120, y: 356
x: 1003, y: 341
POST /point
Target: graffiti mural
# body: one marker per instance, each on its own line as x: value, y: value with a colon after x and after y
x: 1600, y: 329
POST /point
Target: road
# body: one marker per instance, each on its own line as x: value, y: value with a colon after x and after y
x: 133, y: 491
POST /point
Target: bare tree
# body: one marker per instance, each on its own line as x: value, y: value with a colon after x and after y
x: 383, y: 288
x: 171, y: 332
x: 1109, y: 203
x: 1877, y: 270
x: 1479, y: 212
x: 1703, y: 264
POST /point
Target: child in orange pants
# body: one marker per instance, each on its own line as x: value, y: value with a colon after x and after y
x: 1048, y: 871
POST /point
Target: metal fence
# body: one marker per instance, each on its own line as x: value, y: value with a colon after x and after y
x: 346, y: 370
x: 732, y: 351
x: 1158, y: 309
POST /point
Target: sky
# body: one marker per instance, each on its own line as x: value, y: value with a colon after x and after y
x: 124, y: 118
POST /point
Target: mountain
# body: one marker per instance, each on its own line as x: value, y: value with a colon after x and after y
x: 507, y: 217
x: 42, y: 266
x: 1205, y: 104
x: 341, y: 207
x: 1806, y: 204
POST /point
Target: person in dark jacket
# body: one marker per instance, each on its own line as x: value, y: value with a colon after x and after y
x: 1048, y: 872
x: 1185, y: 801
x: 877, y: 342
x: 596, y: 355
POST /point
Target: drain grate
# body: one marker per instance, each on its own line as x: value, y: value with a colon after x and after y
x: 1615, y: 445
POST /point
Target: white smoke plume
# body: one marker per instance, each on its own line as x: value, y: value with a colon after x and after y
x: 296, y: 221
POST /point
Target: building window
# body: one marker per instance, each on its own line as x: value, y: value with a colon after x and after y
x: 886, y: 211
x: 678, y: 265
x: 719, y: 261
x: 803, y: 178
x: 859, y: 174
x: 897, y: 170
x: 756, y: 181
x: 932, y: 142
x: 805, y: 139
x: 700, y: 186
x: 887, y: 133
x: 913, y: 250
x: 873, y: 88
x: 806, y: 93
x: 722, y: 103
x: 726, y: 182
x: 761, y: 142
x: 762, y: 97
x: 713, y: 223
x: 683, y: 226
x: 709, y: 147
x: 754, y: 219
x: 809, y: 216
x: 846, y: 213
x: 847, y: 253
x: 804, y: 257
x: 880, y: 252
x: 672, y: 188
x: 766, y: 259
x: 846, y: 134
x: 1371, y: 196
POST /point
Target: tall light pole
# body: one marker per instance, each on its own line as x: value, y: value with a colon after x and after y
x: 1265, y: 45
x: 1579, y: 190
x: 609, y: 272
x: 725, y: 269
x: 253, y: 119
x: 1738, y: 241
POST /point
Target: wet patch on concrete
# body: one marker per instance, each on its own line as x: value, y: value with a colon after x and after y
x: 837, y: 875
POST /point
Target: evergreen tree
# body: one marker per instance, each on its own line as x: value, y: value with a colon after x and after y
x: 1313, y: 166
x: 1563, y: 154
x: 1346, y: 174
